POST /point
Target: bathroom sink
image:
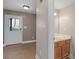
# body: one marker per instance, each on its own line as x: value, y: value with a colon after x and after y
x: 60, y: 37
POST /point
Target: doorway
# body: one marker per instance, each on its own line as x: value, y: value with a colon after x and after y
x: 64, y: 29
x: 19, y: 29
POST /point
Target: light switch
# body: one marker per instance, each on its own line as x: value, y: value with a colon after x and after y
x: 25, y: 27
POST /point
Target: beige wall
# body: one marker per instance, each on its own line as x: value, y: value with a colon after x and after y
x: 66, y: 25
x: 29, y: 20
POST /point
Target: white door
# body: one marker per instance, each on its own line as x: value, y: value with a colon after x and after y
x: 12, y: 29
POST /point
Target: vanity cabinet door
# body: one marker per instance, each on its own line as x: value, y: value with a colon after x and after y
x: 66, y: 48
x: 57, y: 52
x: 62, y: 48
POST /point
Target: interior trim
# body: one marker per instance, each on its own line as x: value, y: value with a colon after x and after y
x: 30, y: 41
x: 23, y: 42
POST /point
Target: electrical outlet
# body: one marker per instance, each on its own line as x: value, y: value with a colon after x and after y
x: 32, y: 37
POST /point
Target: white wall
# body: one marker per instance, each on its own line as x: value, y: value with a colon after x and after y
x: 56, y: 22
x: 44, y: 29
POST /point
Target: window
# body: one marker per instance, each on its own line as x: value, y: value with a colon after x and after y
x: 14, y: 24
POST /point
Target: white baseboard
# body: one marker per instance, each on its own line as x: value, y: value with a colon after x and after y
x: 30, y: 41
x: 24, y: 42
x: 4, y: 45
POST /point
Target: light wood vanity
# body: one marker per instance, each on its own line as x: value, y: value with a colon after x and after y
x: 62, y: 46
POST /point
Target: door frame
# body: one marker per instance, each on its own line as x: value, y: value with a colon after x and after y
x: 51, y: 29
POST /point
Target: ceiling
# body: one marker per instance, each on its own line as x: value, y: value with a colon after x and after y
x: 58, y: 4
x: 16, y: 5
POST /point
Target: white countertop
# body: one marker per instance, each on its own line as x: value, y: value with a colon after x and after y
x: 60, y: 37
